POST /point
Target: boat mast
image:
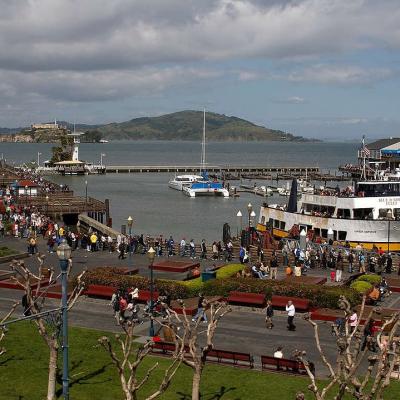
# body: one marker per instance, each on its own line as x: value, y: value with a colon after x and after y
x: 203, y: 145
x: 364, y: 172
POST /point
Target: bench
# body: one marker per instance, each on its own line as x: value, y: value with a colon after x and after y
x: 299, y: 304
x: 102, y: 291
x: 254, y: 299
x: 230, y: 357
x: 162, y: 347
x: 282, y: 364
x: 144, y: 296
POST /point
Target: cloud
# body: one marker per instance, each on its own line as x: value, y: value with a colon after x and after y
x: 340, y: 74
x: 291, y: 100
x: 40, y: 35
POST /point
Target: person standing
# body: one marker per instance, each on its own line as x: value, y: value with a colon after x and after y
x: 291, y: 311
x: 273, y: 266
x: 269, y: 313
x: 350, y: 259
x: 353, y: 320
x: 389, y: 264
x: 339, y: 267
x: 192, y: 249
x: 203, y: 250
x: 182, y: 247
x: 121, y: 248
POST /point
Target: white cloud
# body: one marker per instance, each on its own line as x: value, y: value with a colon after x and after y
x: 340, y: 74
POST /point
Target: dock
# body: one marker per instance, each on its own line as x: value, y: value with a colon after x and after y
x: 237, y: 169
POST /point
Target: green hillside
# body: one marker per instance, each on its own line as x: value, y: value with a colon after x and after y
x: 188, y: 125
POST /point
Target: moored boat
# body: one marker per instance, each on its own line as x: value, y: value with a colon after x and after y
x: 181, y: 181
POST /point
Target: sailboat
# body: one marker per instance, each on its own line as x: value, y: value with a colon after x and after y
x: 205, y: 186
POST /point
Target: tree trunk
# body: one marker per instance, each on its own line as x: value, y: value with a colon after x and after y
x: 196, y: 384
x: 51, y: 387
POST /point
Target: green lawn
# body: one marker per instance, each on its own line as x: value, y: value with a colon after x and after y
x: 23, y: 373
x: 6, y: 251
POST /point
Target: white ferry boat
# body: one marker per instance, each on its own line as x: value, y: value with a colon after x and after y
x: 368, y: 214
x: 181, y: 181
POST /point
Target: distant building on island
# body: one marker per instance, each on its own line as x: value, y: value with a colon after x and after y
x: 45, y: 126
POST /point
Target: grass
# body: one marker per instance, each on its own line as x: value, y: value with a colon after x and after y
x: 23, y: 373
x: 6, y: 251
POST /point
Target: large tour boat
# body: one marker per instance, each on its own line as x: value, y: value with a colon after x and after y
x: 367, y: 213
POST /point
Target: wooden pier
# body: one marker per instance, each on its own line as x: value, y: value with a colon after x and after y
x: 237, y: 169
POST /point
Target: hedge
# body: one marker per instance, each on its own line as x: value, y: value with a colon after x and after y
x: 320, y: 296
x: 372, y: 279
x: 361, y: 286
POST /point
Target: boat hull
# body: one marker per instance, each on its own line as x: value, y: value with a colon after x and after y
x: 205, y: 192
x: 381, y: 233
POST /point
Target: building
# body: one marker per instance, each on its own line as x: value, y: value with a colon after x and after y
x: 46, y: 126
x: 384, y: 151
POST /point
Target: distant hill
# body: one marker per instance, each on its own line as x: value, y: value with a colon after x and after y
x: 187, y: 125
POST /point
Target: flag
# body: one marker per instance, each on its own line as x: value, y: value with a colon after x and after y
x: 365, y: 152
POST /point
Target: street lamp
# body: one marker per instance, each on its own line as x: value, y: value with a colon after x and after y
x: 239, y: 216
x: 252, y: 216
x: 389, y: 217
x: 86, y: 183
x: 38, y: 158
x: 151, y: 255
x: 26, y: 195
x: 130, y: 223
x: 249, y: 210
x: 47, y: 204
x: 64, y: 254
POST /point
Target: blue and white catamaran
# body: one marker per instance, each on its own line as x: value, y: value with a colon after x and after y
x: 205, y: 186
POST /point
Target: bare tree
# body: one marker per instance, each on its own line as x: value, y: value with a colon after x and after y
x: 3, y: 329
x: 345, y: 373
x: 130, y: 358
x: 35, y: 300
x: 194, y: 355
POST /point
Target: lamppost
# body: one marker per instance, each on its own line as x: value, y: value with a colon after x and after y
x: 249, y: 210
x: 151, y: 254
x: 64, y: 254
x: 86, y: 183
x: 130, y: 223
x: 252, y: 216
x: 239, y: 216
x: 47, y: 204
x: 26, y: 195
x: 38, y: 158
x: 389, y: 217
x: 101, y: 159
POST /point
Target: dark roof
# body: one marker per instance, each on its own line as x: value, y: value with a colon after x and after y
x: 381, y: 143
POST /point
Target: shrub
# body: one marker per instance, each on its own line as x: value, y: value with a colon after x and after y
x: 361, y: 286
x: 372, y: 279
x: 319, y: 296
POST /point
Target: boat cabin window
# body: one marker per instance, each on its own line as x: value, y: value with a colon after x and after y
x: 378, y: 189
x: 363, y: 213
x: 342, y: 235
x: 318, y: 210
x: 324, y: 233
x: 276, y: 223
x: 343, y: 213
x: 282, y: 225
x: 317, y: 232
x: 383, y: 212
x: 396, y: 213
x: 263, y: 220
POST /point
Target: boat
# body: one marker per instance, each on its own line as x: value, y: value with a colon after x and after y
x: 205, y: 186
x: 180, y: 181
x: 367, y: 214
x: 103, y: 141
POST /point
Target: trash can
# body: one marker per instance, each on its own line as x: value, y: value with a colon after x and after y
x: 208, y: 275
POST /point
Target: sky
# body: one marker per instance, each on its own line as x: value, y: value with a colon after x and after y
x: 326, y: 69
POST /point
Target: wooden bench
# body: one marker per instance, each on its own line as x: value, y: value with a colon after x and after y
x: 144, y: 296
x: 163, y: 347
x: 254, y: 299
x: 299, y: 304
x: 282, y: 364
x: 102, y: 291
x: 230, y: 357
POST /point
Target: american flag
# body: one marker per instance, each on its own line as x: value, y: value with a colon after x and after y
x: 365, y: 152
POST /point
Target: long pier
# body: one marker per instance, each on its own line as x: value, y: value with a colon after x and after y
x: 210, y: 168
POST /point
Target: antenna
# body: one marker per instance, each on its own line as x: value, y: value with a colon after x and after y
x: 364, y: 173
x: 203, y: 148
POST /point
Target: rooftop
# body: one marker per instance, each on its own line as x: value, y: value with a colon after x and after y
x: 382, y: 143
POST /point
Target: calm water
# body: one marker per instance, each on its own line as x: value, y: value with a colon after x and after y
x: 157, y: 209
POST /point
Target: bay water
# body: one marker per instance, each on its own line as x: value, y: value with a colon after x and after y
x: 157, y: 209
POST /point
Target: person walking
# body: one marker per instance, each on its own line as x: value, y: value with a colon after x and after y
x: 121, y: 248
x: 291, y: 311
x: 269, y: 313
x: 201, y: 313
x: 192, y: 249
x: 182, y: 247
x: 350, y: 259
